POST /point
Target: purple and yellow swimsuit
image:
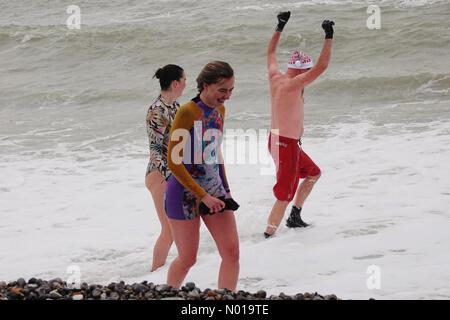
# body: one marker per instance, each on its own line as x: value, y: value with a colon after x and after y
x: 199, y: 173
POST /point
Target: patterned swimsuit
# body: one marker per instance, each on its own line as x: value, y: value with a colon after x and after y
x: 200, y: 172
x: 160, y: 117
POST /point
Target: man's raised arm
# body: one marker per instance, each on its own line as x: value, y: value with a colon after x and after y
x: 272, y: 64
x: 323, y: 61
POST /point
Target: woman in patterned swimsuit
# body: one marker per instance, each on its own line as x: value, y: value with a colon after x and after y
x: 159, y: 121
x: 198, y: 178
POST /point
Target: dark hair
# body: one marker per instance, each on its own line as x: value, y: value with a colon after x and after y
x: 213, y: 72
x: 167, y: 74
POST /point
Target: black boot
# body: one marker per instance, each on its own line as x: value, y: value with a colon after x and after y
x: 295, y: 220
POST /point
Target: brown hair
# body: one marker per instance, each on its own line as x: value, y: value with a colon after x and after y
x: 167, y: 74
x: 213, y: 72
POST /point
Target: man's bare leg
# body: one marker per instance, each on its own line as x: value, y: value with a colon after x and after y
x: 295, y: 220
x: 275, y: 217
x: 304, y: 190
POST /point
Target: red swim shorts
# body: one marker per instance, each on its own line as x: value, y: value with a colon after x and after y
x: 292, y: 164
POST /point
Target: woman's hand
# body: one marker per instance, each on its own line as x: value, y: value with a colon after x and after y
x: 214, y: 204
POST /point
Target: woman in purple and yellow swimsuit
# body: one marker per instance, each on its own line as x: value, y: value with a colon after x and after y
x: 198, y: 178
x: 160, y: 116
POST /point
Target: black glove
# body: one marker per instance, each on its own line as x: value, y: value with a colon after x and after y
x: 327, y: 26
x: 283, y: 18
x: 230, y: 204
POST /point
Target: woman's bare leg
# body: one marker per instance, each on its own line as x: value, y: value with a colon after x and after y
x: 222, y: 227
x: 186, y: 234
x: 156, y: 184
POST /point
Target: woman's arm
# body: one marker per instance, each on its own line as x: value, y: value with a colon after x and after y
x: 223, y: 174
x: 182, y: 124
x: 156, y: 127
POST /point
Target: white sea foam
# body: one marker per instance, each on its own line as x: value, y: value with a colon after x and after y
x: 73, y: 147
x: 382, y: 200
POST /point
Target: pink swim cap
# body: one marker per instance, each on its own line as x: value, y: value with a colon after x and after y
x: 300, y: 60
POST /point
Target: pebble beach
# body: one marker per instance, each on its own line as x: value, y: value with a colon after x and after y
x: 57, y: 289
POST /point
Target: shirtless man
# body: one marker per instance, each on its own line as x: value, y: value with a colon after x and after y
x: 286, y: 90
